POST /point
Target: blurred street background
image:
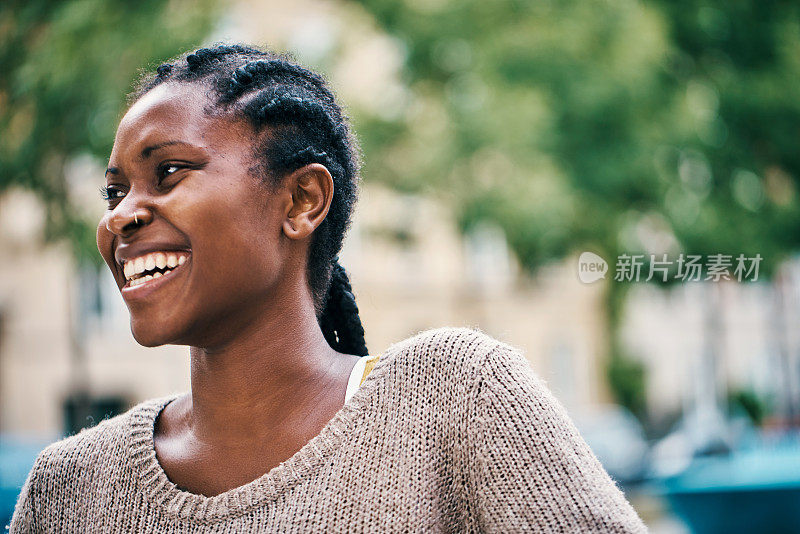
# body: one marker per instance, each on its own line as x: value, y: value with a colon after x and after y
x: 502, y: 139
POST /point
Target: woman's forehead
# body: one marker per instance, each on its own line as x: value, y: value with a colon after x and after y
x: 168, y: 102
x: 175, y: 111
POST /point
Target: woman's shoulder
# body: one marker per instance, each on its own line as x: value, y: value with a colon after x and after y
x: 454, y: 349
x: 100, y: 444
x: 449, y: 340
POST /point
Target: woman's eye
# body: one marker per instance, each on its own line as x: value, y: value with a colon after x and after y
x: 110, y: 193
x: 165, y: 171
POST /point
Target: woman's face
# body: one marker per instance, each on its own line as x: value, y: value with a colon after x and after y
x: 207, y: 251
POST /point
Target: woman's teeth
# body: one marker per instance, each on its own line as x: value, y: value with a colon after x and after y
x: 153, y: 265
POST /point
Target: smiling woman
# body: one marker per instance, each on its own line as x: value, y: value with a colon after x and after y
x: 230, y: 187
x: 187, y: 186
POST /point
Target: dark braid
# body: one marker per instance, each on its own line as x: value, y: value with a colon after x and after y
x: 342, y: 325
x: 250, y: 75
x: 298, y: 122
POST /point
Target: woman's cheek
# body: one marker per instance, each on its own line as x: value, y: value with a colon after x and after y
x: 104, y: 240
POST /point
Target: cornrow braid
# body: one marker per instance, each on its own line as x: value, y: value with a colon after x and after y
x: 249, y: 76
x: 202, y: 60
x: 288, y: 108
x: 298, y: 122
x: 164, y: 70
x: 342, y: 326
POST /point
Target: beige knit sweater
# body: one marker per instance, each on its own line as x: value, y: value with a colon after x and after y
x: 452, y: 431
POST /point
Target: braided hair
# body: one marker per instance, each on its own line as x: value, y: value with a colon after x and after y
x: 301, y: 123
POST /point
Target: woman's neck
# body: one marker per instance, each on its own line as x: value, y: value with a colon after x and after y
x: 274, y: 375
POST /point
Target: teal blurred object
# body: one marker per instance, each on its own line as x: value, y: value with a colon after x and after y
x: 16, y: 459
x: 756, y: 489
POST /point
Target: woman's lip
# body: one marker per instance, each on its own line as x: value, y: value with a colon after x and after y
x: 142, y: 290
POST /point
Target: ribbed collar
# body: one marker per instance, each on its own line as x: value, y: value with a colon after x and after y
x: 166, y: 496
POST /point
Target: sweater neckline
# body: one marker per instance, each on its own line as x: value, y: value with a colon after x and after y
x: 167, y: 496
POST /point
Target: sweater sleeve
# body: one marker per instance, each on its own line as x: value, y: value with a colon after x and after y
x: 24, y: 518
x: 531, y: 471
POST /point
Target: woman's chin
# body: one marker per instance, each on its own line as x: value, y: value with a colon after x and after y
x: 150, y: 335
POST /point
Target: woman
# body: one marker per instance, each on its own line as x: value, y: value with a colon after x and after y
x: 230, y: 187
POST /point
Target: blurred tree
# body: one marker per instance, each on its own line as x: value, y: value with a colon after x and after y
x: 750, y: 404
x: 605, y: 125
x: 66, y: 67
x: 734, y: 69
x: 611, y: 126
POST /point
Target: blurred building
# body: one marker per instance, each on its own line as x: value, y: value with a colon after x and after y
x: 64, y: 328
x: 701, y: 341
x: 412, y: 270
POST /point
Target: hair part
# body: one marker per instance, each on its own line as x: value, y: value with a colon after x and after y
x: 299, y: 122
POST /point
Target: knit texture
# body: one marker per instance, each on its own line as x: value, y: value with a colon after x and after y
x: 452, y: 431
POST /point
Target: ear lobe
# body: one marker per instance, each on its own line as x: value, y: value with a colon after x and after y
x: 310, y: 192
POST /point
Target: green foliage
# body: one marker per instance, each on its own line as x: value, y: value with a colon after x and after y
x: 626, y: 377
x: 67, y: 67
x: 750, y: 403
x: 575, y: 125
x: 736, y: 66
x: 571, y: 124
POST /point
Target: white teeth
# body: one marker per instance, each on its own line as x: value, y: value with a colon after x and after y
x: 135, y: 268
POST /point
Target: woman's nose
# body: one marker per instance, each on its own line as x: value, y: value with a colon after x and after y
x: 126, y: 218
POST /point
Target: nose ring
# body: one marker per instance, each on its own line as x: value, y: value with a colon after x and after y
x: 136, y: 218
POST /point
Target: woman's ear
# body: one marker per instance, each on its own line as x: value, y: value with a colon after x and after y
x: 310, y: 191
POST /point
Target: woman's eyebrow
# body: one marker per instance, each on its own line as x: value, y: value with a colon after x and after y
x: 148, y: 150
